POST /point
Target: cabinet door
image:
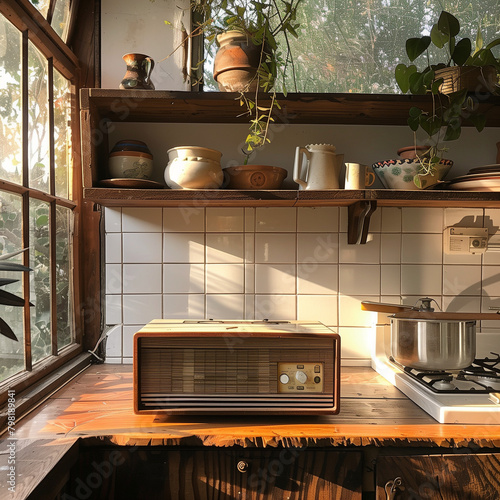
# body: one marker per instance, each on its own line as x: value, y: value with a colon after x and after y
x: 443, y: 477
x: 222, y: 474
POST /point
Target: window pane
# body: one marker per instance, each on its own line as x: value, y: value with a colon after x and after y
x: 345, y: 48
x: 11, y: 352
x: 64, y: 277
x: 38, y: 123
x: 62, y: 135
x: 10, y: 103
x: 41, y: 344
x: 42, y: 6
x: 60, y: 18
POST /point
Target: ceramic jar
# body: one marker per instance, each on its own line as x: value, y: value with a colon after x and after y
x: 193, y: 167
x: 236, y: 62
x: 138, y: 75
x: 130, y: 159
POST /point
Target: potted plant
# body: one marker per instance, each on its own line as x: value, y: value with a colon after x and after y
x: 451, y: 104
x: 260, y: 28
x: 7, y: 298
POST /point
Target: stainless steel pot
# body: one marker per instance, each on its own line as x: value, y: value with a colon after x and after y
x: 427, y: 340
x: 429, y: 344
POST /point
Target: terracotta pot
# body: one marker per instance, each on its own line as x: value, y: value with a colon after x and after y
x: 410, y: 152
x: 138, y: 75
x: 236, y: 62
x: 254, y: 177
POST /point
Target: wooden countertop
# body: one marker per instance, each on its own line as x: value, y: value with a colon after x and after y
x: 98, y: 404
x: 95, y: 409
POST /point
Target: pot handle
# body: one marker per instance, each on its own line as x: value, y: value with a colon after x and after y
x: 385, y: 308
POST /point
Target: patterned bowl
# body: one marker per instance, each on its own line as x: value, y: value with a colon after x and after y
x: 399, y: 174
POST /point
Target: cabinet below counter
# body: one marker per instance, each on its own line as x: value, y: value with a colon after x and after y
x: 379, y: 440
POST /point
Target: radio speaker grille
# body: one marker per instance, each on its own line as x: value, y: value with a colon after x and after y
x: 233, y: 372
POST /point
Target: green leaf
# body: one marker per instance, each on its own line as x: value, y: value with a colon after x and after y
x: 43, y: 220
x: 428, y: 78
x: 452, y: 133
x: 402, y: 74
x: 416, y: 46
x: 12, y: 266
x: 9, y: 299
x: 415, y: 112
x: 436, y: 84
x: 483, y: 58
x: 413, y: 123
x: 6, y: 330
x: 416, y: 84
x: 462, y: 51
x: 448, y: 24
x: 439, y: 39
x: 417, y: 181
x: 479, y: 121
x: 479, y: 40
x: 492, y: 44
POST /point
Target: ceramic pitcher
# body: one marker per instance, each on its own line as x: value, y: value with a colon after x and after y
x: 138, y: 75
x: 321, y: 170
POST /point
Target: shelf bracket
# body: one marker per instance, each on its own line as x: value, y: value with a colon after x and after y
x: 358, y: 218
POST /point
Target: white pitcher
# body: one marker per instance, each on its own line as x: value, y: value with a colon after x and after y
x: 322, y: 168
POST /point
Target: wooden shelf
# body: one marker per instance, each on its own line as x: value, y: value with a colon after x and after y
x: 222, y: 107
x: 288, y: 198
x: 100, y: 107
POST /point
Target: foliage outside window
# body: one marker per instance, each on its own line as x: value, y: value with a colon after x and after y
x: 36, y: 206
x: 354, y: 46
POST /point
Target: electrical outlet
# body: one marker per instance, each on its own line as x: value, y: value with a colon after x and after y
x: 465, y: 240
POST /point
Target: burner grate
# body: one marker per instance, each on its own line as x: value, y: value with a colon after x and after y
x: 485, y: 366
x: 481, y: 377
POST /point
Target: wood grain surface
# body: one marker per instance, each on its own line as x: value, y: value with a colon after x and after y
x: 96, y: 408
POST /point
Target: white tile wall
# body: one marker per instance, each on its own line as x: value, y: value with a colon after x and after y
x: 287, y: 263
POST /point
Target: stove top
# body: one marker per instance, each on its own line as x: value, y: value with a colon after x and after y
x: 483, y: 376
x: 460, y: 397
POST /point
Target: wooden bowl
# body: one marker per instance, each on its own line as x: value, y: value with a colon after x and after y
x: 254, y: 177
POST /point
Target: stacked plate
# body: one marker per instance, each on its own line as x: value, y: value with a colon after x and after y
x: 485, y: 178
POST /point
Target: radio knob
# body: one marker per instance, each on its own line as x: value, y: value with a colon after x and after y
x: 301, y: 377
x: 284, y: 378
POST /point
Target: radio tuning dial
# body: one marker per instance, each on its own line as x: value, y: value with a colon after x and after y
x: 284, y: 378
x: 301, y: 377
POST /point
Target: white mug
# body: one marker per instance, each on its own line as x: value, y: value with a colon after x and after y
x: 357, y: 176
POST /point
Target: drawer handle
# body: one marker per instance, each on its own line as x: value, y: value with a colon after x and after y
x: 242, y: 466
x: 391, y: 488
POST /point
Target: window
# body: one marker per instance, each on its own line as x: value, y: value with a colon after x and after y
x: 37, y: 205
x: 354, y: 46
x: 57, y: 13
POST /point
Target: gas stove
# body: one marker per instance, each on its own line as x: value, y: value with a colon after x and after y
x: 482, y: 376
x: 467, y: 396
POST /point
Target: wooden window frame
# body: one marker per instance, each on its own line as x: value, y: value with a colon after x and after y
x: 35, y: 28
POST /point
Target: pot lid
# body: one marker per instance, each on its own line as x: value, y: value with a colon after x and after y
x: 446, y: 316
